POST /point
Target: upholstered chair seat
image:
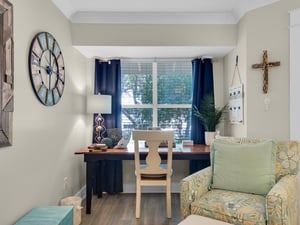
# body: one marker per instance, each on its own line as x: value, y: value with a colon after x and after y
x: 227, y: 205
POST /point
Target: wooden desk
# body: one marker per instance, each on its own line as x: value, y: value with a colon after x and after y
x: 93, y: 159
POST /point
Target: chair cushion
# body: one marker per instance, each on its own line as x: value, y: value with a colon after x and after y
x: 246, y: 168
x: 231, y: 207
x: 145, y: 175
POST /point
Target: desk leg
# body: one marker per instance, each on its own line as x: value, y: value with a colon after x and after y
x: 89, y: 180
x: 196, y: 165
x: 100, y: 179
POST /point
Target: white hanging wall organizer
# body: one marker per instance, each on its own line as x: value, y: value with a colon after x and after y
x: 236, y: 96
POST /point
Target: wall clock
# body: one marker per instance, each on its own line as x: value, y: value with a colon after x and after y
x: 46, y: 68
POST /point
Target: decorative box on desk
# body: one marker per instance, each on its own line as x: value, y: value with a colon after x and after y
x: 48, y: 215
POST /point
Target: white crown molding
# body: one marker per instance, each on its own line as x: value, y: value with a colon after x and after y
x: 192, y: 12
x: 154, y: 17
x: 242, y: 7
x: 65, y: 6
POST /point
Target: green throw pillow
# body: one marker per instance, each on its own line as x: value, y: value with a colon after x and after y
x: 246, y: 168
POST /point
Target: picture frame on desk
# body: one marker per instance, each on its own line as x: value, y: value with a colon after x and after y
x: 187, y: 143
x: 97, y: 147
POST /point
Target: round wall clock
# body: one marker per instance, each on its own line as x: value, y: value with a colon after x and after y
x: 46, y: 68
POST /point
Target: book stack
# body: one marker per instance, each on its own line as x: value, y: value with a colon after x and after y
x: 97, y: 147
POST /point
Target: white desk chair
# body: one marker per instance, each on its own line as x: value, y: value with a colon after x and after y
x: 153, y: 173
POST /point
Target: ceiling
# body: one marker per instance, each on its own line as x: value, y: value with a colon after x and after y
x: 156, y: 12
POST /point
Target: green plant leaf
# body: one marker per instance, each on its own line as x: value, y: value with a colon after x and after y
x: 209, y: 115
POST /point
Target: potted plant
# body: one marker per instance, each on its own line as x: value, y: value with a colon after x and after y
x: 209, y: 116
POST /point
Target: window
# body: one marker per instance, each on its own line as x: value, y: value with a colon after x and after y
x: 157, y: 94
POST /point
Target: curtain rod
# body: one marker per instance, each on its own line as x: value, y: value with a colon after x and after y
x: 155, y: 58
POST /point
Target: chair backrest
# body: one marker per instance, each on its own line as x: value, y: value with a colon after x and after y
x: 287, y: 154
x: 153, y: 159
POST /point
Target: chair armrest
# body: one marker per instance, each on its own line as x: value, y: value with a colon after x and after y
x: 282, y: 201
x: 193, y: 187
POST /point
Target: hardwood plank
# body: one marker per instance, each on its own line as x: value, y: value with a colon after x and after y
x: 119, y: 209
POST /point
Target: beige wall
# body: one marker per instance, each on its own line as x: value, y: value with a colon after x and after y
x: 44, y: 138
x: 231, y: 77
x: 265, y: 28
x: 153, y: 35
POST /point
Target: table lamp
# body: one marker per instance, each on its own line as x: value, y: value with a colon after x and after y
x: 100, y: 104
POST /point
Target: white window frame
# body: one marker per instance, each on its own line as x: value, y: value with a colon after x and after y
x: 155, y: 106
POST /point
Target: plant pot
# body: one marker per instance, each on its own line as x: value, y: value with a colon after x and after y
x: 209, y: 137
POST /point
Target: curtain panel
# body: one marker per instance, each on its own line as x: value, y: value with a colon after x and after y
x: 108, y: 82
x: 203, y: 84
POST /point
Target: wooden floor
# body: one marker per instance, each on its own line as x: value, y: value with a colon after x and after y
x: 120, y: 210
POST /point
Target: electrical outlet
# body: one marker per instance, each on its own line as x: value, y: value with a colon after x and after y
x: 65, y: 182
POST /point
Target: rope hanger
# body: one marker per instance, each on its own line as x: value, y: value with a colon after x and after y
x: 236, y: 69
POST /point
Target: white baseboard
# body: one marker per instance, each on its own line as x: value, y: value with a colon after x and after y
x: 130, y: 188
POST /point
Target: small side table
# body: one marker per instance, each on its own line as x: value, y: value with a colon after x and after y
x: 198, y: 220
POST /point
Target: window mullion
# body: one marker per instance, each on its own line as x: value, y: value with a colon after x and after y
x: 154, y: 94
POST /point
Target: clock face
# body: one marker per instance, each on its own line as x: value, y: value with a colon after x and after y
x: 46, y: 68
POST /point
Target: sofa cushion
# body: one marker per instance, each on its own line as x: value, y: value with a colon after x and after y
x: 231, y: 207
x: 246, y: 168
x: 287, y: 154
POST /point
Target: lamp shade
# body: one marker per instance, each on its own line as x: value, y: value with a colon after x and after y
x: 98, y: 104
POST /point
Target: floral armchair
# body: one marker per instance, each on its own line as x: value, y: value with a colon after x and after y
x: 278, y: 206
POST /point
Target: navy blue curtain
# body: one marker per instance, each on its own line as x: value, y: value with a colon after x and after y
x: 108, y: 82
x: 203, y: 84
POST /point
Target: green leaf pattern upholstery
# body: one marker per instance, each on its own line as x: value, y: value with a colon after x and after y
x: 278, y: 207
x: 232, y: 207
x: 282, y: 201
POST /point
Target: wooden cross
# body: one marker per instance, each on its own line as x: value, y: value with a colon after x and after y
x: 265, y: 68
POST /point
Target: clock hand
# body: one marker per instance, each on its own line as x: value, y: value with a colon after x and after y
x: 47, y: 60
x: 57, y: 73
x: 45, y: 68
x: 49, y: 77
x: 50, y: 58
x: 37, y: 64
